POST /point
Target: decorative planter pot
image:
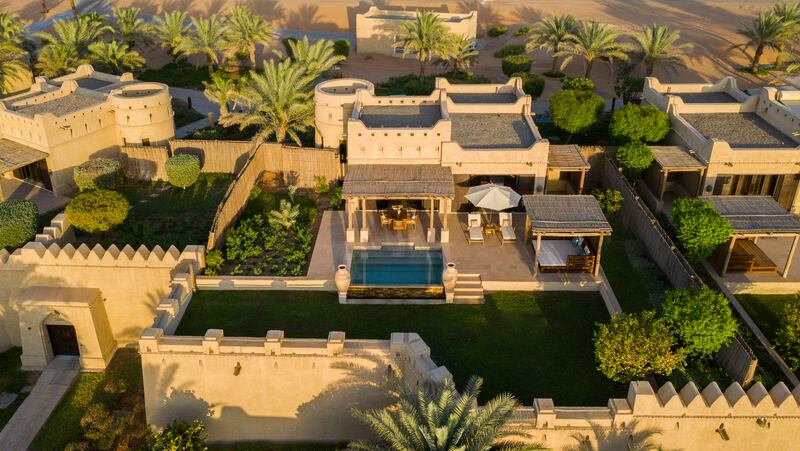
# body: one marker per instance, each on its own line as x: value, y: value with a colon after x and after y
x: 342, y: 281
x: 449, y: 277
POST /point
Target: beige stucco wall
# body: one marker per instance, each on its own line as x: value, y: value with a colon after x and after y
x: 376, y: 28
x: 333, y: 106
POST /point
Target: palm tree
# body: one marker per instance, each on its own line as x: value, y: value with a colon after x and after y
x: 439, y: 419
x: 115, y: 57
x: 551, y: 34
x: 75, y: 34
x: 765, y: 31
x: 208, y: 37
x: 45, y: 9
x: 246, y: 30
x: 55, y: 60
x: 790, y: 15
x: 316, y: 58
x: 12, y: 66
x: 424, y: 38
x: 657, y: 45
x: 460, y: 55
x: 130, y: 27
x: 277, y: 101
x: 223, y: 90
x: 74, y: 9
x: 594, y: 41
x: 12, y: 29
x: 169, y: 29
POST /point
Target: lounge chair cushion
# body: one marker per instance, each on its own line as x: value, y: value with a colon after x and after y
x: 508, y: 233
x: 475, y: 234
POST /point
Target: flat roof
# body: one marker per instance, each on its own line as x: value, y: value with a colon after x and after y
x: 483, y: 97
x: 675, y: 158
x: 566, y: 213
x: 705, y: 97
x: 744, y: 130
x: 754, y: 214
x: 61, y: 106
x: 14, y: 155
x: 398, y: 180
x: 566, y: 156
x: 399, y: 116
x: 491, y: 131
x: 88, y: 83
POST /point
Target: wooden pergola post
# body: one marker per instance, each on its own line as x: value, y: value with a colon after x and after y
x: 596, y: 271
x: 788, y: 265
x: 582, y: 181
x: 364, y: 235
x: 727, y: 257
x: 536, y: 255
x: 431, y: 230
x: 663, y: 187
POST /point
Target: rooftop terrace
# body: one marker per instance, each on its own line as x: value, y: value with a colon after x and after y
x: 492, y: 97
x: 398, y: 116
x: 743, y: 130
x: 61, y: 106
x: 705, y: 97
x: 491, y: 131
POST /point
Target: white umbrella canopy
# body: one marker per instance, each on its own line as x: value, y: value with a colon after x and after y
x: 493, y: 197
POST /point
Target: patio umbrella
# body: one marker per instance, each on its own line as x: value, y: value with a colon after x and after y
x: 493, y: 197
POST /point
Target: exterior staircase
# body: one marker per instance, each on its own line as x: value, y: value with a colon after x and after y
x: 469, y: 289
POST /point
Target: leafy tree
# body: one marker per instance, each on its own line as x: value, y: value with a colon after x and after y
x: 342, y: 47
x: 577, y: 83
x: 315, y: 58
x: 18, y: 222
x: 787, y: 338
x: 97, y: 210
x: 439, y: 418
x: 594, y: 41
x: 765, y: 31
x: 246, y: 30
x: 639, y: 123
x: 532, y: 84
x: 610, y: 200
x: 699, y: 228
x: 56, y: 60
x: 179, y: 436
x: 182, y: 170
x: 12, y: 29
x: 208, y: 37
x: 701, y: 319
x: 426, y: 38
x: 627, y: 86
x: 11, y: 63
x: 223, y: 90
x: 285, y: 216
x: 131, y: 28
x: 576, y: 111
x: 460, y: 55
x: 97, y: 173
x: 516, y: 63
x: 276, y: 102
x: 551, y: 34
x: 636, y: 345
x: 635, y: 157
x: 169, y: 29
x: 658, y: 45
x: 115, y: 57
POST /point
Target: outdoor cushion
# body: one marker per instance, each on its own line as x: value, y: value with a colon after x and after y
x: 508, y: 233
x: 475, y: 234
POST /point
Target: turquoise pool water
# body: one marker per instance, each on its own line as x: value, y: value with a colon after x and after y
x: 402, y: 266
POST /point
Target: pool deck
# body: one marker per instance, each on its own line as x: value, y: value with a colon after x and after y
x: 501, y: 266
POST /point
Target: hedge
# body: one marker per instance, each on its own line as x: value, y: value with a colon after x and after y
x: 497, y: 31
x: 182, y: 170
x: 98, y: 173
x: 18, y: 222
x: 97, y: 210
x: 342, y: 48
x: 577, y: 83
x: 532, y: 84
x: 516, y: 63
x: 509, y: 50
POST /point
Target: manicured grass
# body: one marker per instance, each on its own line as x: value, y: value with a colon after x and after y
x: 179, y: 75
x: 63, y: 426
x: 12, y: 379
x: 767, y: 310
x: 175, y: 217
x: 532, y: 344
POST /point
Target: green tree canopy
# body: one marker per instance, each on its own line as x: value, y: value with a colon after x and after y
x: 637, y: 345
x: 97, y: 210
x: 576, y: 111
x: 788, y: 336
x: 701, y: 319
x: 699, y: 228
x: 18, y: 222
x: 635, y: 157
x: 639, y: 123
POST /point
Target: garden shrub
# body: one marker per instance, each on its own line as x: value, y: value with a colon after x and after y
x: 699, y: 228
x: 554, y: 74
x: 610, y: 200
x: 532, y: 84
x: 179, y: 436
x: 182, y: 170
x: 639, y: 123
x: 636, y: 345
x: 701, y: 319
x: 214, y: 262
x: 627, y: 86
x: 341, y: 47
x: 576, y: 111
x: 97, y: 210
x: 497, y: 31
x: 285, y: 216
x: 577, y: 83
x: 522, y: 31
x: 516, y: 63
x: 411, y: 84
x: 509, y: 50
x: 98, y: 173
x: 788, y: 335
x: 634, y: 157
x: 322, y: 185
x: 18, y: 222
x: 336, y: 198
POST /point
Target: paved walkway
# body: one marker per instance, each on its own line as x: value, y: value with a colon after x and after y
x: 200, y: 103
x: 29, y: 418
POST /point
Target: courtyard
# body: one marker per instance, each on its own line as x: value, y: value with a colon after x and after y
x: 526, y: 343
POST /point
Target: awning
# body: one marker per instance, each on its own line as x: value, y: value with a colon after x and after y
x: 565, y: 214
x: 566, y: 157
x: 14, y: 155
x: 754, y: 215
x: 676, y: 158
x: 398, y: 181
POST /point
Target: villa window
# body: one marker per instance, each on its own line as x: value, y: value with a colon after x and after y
x: 419, y: 149
x: 146, y: 142
x: 363, y: 149
x: 380, y: 149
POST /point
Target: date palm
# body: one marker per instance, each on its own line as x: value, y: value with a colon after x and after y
x: 55, y: 60
x: 276, y: 102
x: 426, y: 37
x: 551, y: 34
x: 12, y: 29
x: 315, y: 59
x: 246, y: 30
x: 207, y: 37
x: 223, y: 90
x: 74, y: 9
x: 12, y: 66
x: 75, y: 34
x: 115, y: 56
x: 439, y: 419
x: 767, y: 31
x: 658, y: 45
x: 790, y: 15
x: 460, y: 55
x: 169, y: 29
x: 594, y: 41
x: 131, y: 28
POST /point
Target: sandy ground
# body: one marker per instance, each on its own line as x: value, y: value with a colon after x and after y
x: 709, y: 24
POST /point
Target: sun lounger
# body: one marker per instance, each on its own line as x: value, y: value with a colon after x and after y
x: 506, y: 229
x: 474, y: 229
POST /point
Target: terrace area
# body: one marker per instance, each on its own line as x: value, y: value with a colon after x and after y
x: 739, y: 130
x: 400, y: 116
x: 491, y: 97
x: 491, y: 131
x: 705, y: 97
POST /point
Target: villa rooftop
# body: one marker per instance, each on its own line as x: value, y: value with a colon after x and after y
x: 491, y: 97
x: 491, y: 131
x: 400, y: 116
x: 89, y: 83
x: 675, y: 158
x: 565, y: 214
x: 404, y: 180
x: 743, y: 130
x: 61, y: 106
x: 754, y: 214
x: 705, y: 97
x: 14, y: 155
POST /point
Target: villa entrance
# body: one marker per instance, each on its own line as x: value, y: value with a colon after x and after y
x: 63, y: 339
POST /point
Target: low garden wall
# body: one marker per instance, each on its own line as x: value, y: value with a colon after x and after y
x: 144, y: 162
x: 215, y: 155
x: 263, y: 283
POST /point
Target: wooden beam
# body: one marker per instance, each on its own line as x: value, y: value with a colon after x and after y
x: 364, y: 213
x: 580, y: 184
x: 791, y: 256
x: 536, y: 255
x: 597, y: 258
x: 727, y: 257
x: 432, y: 209
x: 663, y: 185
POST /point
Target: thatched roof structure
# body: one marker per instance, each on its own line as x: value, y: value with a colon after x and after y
x: 14, y: 155
x: 675, y: 158
x: 398, y: 180
x: 753, y: 215
x: 565, y: 214
x: 566, y: 157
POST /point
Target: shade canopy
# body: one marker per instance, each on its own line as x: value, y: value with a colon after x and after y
x: 493, y: 197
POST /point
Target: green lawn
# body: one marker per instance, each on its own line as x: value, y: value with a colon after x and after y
x: 530, y: 344
x: 767, y: 310
x: 175, y: 217
x: 180, y: 75
x: 12, y: 379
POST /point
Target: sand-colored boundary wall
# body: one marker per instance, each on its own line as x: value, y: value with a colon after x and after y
x: 144, y: 162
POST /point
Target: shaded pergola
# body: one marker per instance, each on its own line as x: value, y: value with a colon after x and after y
x: 670, y: 160
x: 567, y: 159
x: 14, y: 155
x: 426, y: 182
x: 754, y: 217
x: 565, y: 216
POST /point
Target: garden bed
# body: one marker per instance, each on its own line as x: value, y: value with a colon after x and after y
x: 183, y: 114
x: 12, y: 380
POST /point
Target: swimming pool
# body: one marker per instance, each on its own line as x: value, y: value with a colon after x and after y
x: 396, y: 266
